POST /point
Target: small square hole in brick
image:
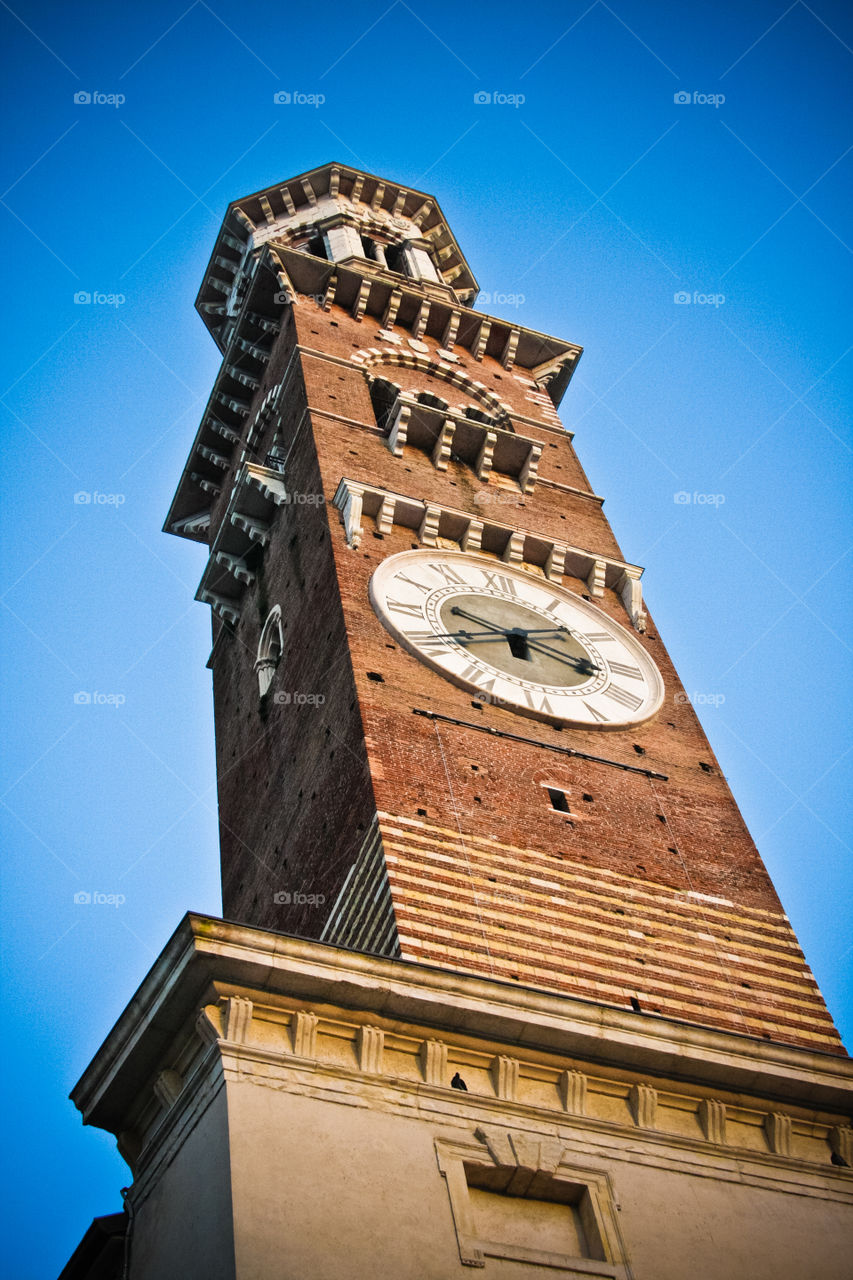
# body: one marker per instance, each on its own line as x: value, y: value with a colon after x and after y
x: 375, y: 677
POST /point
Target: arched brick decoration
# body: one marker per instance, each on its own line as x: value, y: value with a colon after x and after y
x: 455, y: 377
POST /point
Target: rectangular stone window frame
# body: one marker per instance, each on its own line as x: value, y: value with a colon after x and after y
x: 466, y: 1166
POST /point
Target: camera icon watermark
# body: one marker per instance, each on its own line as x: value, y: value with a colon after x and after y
x: 683, y: 98
x: 498, y: 99
x: 83, y: 698
x: 499, y: 299
x: 284, y: 898
x: 94, y: 498
x: 699, y: 699
x: 85, y: 899
x: 684, y: 298
x: 295, y: 698
x: 685, y: 499
x: 83, y: 98
x: 85, y: 298
x: 285, y: 98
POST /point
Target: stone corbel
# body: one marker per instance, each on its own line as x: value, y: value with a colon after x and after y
x: 397, y: 437
x: 712, y: 1117
x: 472, y: 538
x: 360, y: 304
x: 508, y: 353
x: 331, y: 289
x: 479, y: 348
x: 841, y: 1144
x: 238, y: 1019
x: 421, y: 319
x: 631, y: 592
x: 513, y: 552
x: 643, y: 1101
x: 595, y: 579
x: 351, y: 502
x: 777, y: 1130
x: 428, y: 530
x: 528, y: 473
x: 385, y: 515
x: 391, y: 309
x: 443, y: 445
x: 303, y: 1031
x: 370, y: 1046
x: 483, y: 465
x: 433, y: 1059
x: 573, y: 1085
x: 556, y: 561
x: 504, y: 1073
x: 448, y: 338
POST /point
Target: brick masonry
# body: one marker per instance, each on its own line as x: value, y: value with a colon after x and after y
x: 647, y: 891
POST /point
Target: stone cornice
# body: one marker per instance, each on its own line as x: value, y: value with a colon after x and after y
x: 206, y: 957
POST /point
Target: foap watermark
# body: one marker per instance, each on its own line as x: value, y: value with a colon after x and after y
x: 684, y: 298
x: 83, y: 698
x: 83, y: 98
x: 96, y: 899
x: 94, y: 298
x: 499, y: 99
x: 499, y: 299
x: 297, y: 499
x: 684, y: 98
x: 94, y: 498
x: 294, y: 698
x: 699, y: 699
x: 685, y: 499
x: 284, y: 898
x: 294, y: 98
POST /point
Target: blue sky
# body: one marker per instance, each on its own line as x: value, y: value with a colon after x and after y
x: 588, y: 207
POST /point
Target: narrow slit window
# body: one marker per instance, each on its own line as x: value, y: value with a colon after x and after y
x: 558, y: 800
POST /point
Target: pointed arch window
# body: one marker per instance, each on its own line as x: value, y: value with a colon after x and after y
x: 270, y: 647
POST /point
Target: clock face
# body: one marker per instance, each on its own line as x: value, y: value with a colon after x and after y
x: 516, y: 640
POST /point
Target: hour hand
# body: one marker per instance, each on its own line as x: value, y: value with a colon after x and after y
x: 584, y: 665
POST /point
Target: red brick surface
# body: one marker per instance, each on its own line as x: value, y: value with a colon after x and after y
x: 299, y: 784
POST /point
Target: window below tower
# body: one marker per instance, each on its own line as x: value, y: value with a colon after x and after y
x: 317, y: 246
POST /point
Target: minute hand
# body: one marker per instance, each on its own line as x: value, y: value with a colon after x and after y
x: 542, y: 631
x: 583, y: 665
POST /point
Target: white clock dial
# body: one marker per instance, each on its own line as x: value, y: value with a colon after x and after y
x: 516, y: 640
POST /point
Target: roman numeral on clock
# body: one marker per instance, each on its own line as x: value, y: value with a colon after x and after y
x: 428, y: 640
x: 597, y: 636
x: 401, y: 577
x: 475, y: 675
x: 542, y: 704
x: 500, y: 582
x: 410, y: 610
x: 444, y: 571
x: 623, y: 669
x: 622, y: 696
x: 596, y: 714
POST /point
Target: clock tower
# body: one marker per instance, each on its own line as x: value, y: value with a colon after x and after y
x: 502, y: 981
x: 447, y: 729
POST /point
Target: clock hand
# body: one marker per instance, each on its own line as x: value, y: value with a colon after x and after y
x: 519, y: 631
x: 478, y: 637
x: 462, y: 613
x: 584, y: 665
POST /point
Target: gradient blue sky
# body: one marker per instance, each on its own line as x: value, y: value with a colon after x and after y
x: 588, y: 207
